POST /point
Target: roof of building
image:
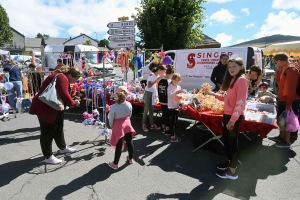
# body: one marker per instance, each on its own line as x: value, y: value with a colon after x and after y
x: 55, y: 40
x: 207, y: 42
x: 33, y: 42
x: 16, y: 31
x: 79, y: 36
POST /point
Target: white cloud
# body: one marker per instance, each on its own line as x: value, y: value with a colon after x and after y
x: 250, y: 25
x: 224, y: 16
x: 223, y: 39
x: 219, y: 1
x: 246, y: 10
x: 241, y: 41
x: 55, y: 17
x: 284, y: 4
x: 282, y: 23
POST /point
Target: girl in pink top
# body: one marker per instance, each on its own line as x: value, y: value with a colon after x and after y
x: 236, y: 85
x: 119, y: 120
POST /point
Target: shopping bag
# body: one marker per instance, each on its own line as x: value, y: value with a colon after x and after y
x: 281, y: 121
x: 50, y: 97
x: 292, y: 122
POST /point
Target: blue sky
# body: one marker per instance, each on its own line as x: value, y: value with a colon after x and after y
x: 227, y: 21
x: 235, y: 21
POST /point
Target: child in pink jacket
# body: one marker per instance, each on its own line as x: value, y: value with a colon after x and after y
x: 236, y: 85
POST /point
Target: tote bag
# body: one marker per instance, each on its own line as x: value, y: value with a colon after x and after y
x: 50, y: 97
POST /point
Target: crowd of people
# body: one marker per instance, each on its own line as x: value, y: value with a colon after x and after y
x: 163, y: 86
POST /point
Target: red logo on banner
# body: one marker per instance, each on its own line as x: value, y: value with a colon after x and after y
x: 191, y: 60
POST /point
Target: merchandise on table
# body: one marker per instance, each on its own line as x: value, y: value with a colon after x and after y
x: 259, y: 112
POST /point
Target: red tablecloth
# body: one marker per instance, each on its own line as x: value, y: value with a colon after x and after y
x: 157, y: 106
x: 214, y: 122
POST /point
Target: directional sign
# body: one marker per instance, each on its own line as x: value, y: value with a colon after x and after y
x: 117, y: 45
x: 121, y: 24
x: 118, y: 38
x: 121, y: 31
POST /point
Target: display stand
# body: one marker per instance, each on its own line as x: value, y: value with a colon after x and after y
x: 106, y: 140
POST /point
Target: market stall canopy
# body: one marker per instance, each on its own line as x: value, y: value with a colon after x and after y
x: 2, y: 52
x: 291, y: 48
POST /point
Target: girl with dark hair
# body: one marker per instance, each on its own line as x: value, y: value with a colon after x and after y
x: 150, y: 96
x: 236, y: 85
x: 52, y: 121
x: 163, y: 98
x: 122, y: 130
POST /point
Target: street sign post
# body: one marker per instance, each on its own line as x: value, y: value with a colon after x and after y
x: 121, y: 31
x: 117, y: 45
x: 121, y: 24
x: 121, y: 38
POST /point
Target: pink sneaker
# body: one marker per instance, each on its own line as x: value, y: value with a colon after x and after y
x: 144, y: 127
x: 112, y: 165
x: 131, y: 161
x: 154, y: 126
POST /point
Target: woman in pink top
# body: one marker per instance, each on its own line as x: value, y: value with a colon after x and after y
x: 236, y: 85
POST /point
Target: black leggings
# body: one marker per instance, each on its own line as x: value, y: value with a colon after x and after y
x: 52, y: 131
x: 165, y: 115
x: 128, y: 139
x: 231, y: 139
x: 174, y: 118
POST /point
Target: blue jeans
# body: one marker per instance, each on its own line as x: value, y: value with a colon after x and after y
x: 16, y: 91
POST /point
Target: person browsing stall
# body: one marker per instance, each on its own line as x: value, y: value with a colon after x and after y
x: 255, y: 75
x: 163, y: 98
x: 122, y: 130
x: 219, y: 71
x: 59, y: 64
x: 150, y: 96
x: 287, y: 79
x: 52, y: 121
x: 236, y: 85
x: 174, y: 97
x: 15, y: 77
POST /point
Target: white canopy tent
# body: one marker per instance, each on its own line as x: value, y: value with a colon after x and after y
x: 291, y: 48
x: 2, y: 52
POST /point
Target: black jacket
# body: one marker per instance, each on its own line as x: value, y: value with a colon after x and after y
x: 218, y: 75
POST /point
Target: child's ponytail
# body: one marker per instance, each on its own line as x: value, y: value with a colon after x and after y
x: 121, y: 97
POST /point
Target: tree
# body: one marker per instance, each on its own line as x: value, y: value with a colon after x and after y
x: 87, y: 42
x: 175, y: 24
x: 6, y: 34
x: 103, y: 43
x: 39, y: 35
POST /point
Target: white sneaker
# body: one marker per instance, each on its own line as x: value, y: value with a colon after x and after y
x: 53, y: 160
x: 68, y: 150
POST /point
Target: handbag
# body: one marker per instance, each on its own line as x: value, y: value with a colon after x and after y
x: 50, y: 97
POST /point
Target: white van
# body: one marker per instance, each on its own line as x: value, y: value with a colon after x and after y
x: 196, y: 65
x: 90, y: 53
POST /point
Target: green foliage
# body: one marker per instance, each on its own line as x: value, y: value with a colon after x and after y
x: 39, y: 35
x: 6, y: 34
x: 175, y: 24
x: 103, y: 43
x: 87, y: 42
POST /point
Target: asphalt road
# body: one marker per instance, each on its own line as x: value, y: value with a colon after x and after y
x: 161, y: 171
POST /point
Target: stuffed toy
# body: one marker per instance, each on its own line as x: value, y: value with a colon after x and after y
x: 156, y: 58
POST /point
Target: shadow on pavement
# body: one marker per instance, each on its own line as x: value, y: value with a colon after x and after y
x: 259, y: 162
x: 19, y: 135
x: 12, y: 170
x: 97, y: 174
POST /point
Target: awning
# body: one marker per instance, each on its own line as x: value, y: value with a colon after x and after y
x: 2, y: 52
x: 291, y: 48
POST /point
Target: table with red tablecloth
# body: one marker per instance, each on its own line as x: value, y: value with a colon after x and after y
x: 214, y: 122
